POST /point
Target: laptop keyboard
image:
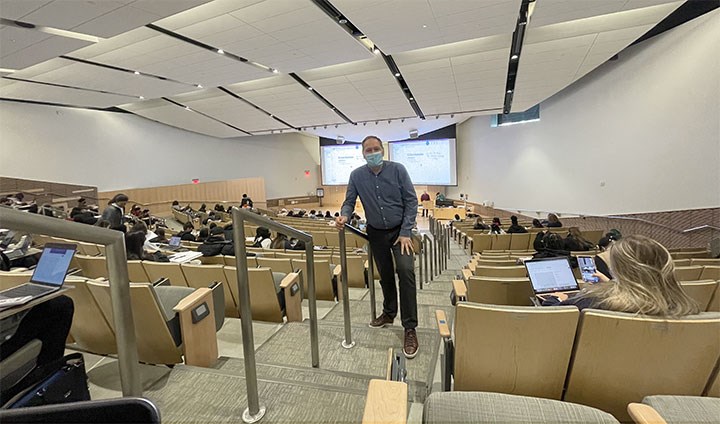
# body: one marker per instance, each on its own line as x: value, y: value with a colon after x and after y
x: 25, y: 290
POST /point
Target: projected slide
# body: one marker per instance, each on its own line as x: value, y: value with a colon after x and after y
x: 429, y: 162
x: 338, y: 162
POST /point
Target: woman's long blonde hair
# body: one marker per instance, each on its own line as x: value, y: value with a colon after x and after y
x: 643, y: 281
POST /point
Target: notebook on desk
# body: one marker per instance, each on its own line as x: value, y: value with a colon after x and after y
x: 551, y: 275
x: 49, y: 274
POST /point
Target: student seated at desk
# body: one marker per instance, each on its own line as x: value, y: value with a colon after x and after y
x: 644, y: 283
x: 480, y: 224
x: 495, y: 227
x: 553, y: 221
x: 576, y: 242
x: 134, y: 249
x: 262, y: 238
x: 186, y: 234
x: 515, y: 227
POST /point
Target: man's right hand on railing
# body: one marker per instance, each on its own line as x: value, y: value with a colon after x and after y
x: 340, y: 222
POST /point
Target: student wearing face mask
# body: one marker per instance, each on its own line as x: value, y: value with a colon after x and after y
x: 390, y: 204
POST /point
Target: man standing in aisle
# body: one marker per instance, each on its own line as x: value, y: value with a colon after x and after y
x: 425, y: 197
x: 390, y: 204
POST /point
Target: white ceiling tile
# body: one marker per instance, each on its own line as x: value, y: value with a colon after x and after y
x: 48, y: 48
x: 228, y: 109
x: 176, y: 116
x: 549, y: 12
x: 60, y: 95
x: 16, y: 9
x: 400, y: 25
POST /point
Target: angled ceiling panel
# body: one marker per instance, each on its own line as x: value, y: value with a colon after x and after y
x: 222, y: 106
x: 21, y: 47
x: 548, y: 12
x: 402, y: 25
x: 289, y: 35
x: 105, y: 18
x: 177, y: 116
x: 75, y: 74
x: 554, y: 56
x: 67, y: 96
x: 463, y: 76
x: 364, y: 90
x: 149, y: 51
x: 285, y: 98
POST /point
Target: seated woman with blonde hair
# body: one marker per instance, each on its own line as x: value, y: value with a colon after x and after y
x: 643, y: 283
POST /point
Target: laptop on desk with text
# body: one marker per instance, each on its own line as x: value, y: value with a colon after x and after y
x: 49, y: 274
x: 551, y: 275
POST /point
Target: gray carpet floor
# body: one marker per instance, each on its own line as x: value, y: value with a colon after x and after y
x: 188, y: 396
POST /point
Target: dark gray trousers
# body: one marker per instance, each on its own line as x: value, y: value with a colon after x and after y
x: 384, y: 250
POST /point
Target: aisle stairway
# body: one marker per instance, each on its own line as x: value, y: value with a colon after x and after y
x: 289, y: 387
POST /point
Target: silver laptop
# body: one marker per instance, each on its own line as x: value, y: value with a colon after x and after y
x: 173, y: 243
x: 49, y: 273
x: 551, y: 275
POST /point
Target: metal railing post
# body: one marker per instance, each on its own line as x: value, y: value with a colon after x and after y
x: 348, y: 342
x: 254, y: 411
x: 431, y: 245
x: 419, y: 256
x: 114, y: 242
x: 312, y: 301
x: 371, y: 282
x: 438, y: 254
x: 425, y: 258
x: 448, y: 242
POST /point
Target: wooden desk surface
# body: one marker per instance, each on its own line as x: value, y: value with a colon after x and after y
x: 15, y: 309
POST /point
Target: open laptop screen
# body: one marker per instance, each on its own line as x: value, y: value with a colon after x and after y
x: 551, y: 275
x: 174, y: 241
x: 53, y: 264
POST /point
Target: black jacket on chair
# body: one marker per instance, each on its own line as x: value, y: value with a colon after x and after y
x: 215, y: 245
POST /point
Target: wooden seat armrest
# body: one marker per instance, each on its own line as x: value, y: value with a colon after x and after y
x: 442, y: 323
x: 337, y: 271
x: 293, y: 299
x: 460, y: 289
x: 644, y: 414
x: 387, y: 402
x: 289, y: 279
x: 199, y: 338
x: 466, y: 273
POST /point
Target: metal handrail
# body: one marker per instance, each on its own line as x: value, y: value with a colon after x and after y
x: 702, y: 227
x: 371, y: 269
x: 618, y: 217
x: 114, y: 242
x: 254, y: 411
x: 348, y: 342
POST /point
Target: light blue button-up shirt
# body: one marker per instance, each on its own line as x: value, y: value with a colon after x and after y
x: 388, y: 198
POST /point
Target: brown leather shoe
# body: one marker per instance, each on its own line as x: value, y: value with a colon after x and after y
x: 410, y: 349
x: 381, y: 321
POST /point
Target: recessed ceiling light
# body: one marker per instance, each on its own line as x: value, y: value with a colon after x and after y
x: 274, y: 71
x: 272, y: 116
x: 412, y: 99
x: 142, y: 98
x: 376, y: 50
x: 187, y: 107
x: 397, y: 74
x: 424, y: 26
x: 509, y: 91
x: 310, y: 88
x: 199, y: 86
x: 136, y: 73
x: 220, y: 51
x: 514, y: 57
x: 342, y: 21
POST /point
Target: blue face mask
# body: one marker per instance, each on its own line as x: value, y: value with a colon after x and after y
x: 374, y: 159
